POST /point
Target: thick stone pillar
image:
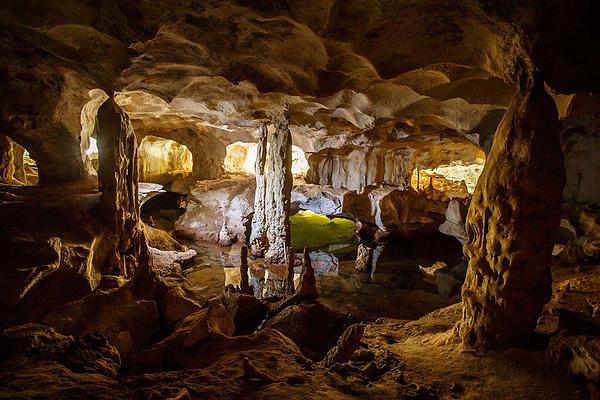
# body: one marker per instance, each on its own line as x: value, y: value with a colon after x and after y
x: 258, y: 236
x: 7, y: 169
x: 279, y: 190
x: 118, y: 247
x: 512, y: 225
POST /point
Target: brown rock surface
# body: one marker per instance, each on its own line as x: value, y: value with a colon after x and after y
x: 512, y: 225
x: 315, y: 328
x: 258, y: 236
x: 117, y: 249
x: 278, y: 191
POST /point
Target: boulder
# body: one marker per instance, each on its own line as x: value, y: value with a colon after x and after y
x: 126, y: 319
x: 216, y: 205
x: 246, y: 310
x: 456, y: 216
x: 396, y: 211
x: 315, y: 328
x: 46, y: 364
x: 578, y: 356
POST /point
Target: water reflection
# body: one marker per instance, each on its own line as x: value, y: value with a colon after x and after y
x: 394, y: 288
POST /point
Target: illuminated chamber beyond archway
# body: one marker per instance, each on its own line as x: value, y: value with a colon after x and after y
x: 162, y: 160
x: 241, y: 157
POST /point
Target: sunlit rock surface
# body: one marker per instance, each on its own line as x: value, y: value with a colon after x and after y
x: 218, y: 205
x: 163, y: 160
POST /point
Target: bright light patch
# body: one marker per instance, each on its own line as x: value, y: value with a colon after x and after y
x: 241, y: 158
x: 93, y: 149
x: 162, y: 160
x: 445, y: 176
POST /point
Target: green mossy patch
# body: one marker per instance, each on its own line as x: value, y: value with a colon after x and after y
x: 315, y: 230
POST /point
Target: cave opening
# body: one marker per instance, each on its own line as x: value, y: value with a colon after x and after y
x: 30, y: 174
x: 163, y: 160
x: 241, y: 158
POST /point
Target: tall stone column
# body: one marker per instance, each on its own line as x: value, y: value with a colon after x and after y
x: 117, y: 248
x: 279, y: 190
x: 258, y: 236
x: 512, y: 225
x: 7, y: 169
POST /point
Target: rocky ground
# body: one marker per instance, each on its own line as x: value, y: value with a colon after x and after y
x: 158, y: 336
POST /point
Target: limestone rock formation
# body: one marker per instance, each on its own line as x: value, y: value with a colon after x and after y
x: 258, y: 236
x: 512, y: 225
x: 454, y: 225
x: 315, y: 328
x: 116, y: 250
x: 579, y: 356
x: 364, y: 258
x: 394, y: 211
x: 307, y: 286
x: 278, y: 191
x: 217, y: 205
x: 395, y: 104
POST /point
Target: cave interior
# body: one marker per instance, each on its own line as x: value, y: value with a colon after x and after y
x: 318, y: 199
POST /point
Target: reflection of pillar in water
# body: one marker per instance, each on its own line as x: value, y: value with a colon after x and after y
x: 232, y: 276
x: 377, y: 251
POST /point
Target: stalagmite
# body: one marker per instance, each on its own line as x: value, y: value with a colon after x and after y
x: 289, y: 275
x: 258, y: 236
x: 278, y: 190
x: 244, y: 282
x: 307, y: 287
x: 512, y: 225
x: 117, y: 248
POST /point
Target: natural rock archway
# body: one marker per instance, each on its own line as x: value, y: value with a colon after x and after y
x: 512, y: 225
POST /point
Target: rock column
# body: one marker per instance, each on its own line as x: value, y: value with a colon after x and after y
x: 118, y: 247
x: 258, y: 237
x: 512, y: 224
x: 278, y: 191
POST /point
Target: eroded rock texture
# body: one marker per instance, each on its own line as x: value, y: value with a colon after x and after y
x: 512, y: 225
x: 278, y: 191
x: 116, y: 250
x: 259, y: 229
